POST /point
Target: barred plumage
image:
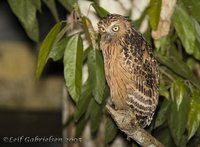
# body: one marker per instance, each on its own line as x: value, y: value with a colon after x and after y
x: 131, y: 70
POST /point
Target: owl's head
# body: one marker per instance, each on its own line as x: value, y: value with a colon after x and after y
x: 113, y: 27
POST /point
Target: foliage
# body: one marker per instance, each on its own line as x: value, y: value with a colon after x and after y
x: 73, y: 61
x: 26, y: 13
x: 154, y: 13
x: 177, y: 120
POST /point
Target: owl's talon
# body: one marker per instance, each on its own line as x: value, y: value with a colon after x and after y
x: 112, y: 104
x: 128, y: 138
x: 115, y: 107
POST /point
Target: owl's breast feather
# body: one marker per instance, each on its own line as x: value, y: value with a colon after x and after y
x: 116, y: 78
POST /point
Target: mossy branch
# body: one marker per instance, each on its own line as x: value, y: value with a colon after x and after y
x: 125, y: 120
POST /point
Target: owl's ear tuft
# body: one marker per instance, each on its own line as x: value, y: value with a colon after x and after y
x: 127, y: 18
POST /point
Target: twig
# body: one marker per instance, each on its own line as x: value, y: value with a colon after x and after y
x: 126, y: 122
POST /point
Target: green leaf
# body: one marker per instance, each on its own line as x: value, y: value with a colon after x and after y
x: 165, y: 137
x: 164, y: 44
x: 52, y: 6
x: 162, y: 114
x: 178, y: 117
x: 154, y: 13
x: 191, y: 62
x: 59, y: 45
x: 95, y: 116
x: 196, y: 53
x: 80, y: 125
x: 68, y: 4
x: 194, y: 115
x: 101, y: 12
x: 94, y: 112
x: 163, y: 91
x: 58, y: 49
x: 46, y: 47
x: 73, y: 60
x: 37, y: 4
x: 172, y: 46
x: 197, y: 50
x: 86, y: 52
x: 193, y: 8
x: 89, y: 109
x: 84, y: 101
x: 111, y: 130
x: 96, y: 74
x: 194, y: 141
x: 147, y: 34
x: 197, y: 28
x: 179, y: 67
x: 183, y: 141
x: 25, y: 10
x: 184, y: 28
x: 63, y: 31
x: 178, y: 92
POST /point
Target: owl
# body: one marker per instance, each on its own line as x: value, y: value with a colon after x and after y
x: 130, y: 67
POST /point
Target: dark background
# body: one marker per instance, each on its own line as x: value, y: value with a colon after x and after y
x: 19, y: 122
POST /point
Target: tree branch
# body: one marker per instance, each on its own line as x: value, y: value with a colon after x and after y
x: 166, y: 13
x: 126, y: 122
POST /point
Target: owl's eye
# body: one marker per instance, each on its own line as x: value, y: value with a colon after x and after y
x: 102, y: 30
x: 115, y: 28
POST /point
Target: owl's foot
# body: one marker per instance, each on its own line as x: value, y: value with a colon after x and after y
x: 128, y: 138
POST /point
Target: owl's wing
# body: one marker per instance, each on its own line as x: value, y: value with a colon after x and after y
x: 142, y: 88
x: 144, y: 80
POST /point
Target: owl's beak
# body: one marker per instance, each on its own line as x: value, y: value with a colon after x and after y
x: 108, y: 37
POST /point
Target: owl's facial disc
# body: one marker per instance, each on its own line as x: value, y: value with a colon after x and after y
x: 109, y: 32
x: 108, y: 37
